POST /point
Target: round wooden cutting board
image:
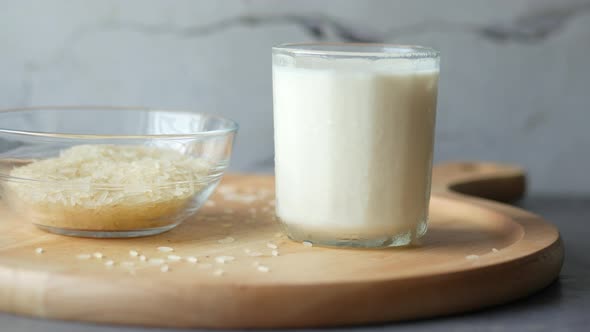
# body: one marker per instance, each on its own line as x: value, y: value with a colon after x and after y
x: 476, y: 254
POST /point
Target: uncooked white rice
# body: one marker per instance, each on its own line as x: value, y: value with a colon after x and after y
x: 192, y: 259
x: 165, y: 249
x: 174, y: 258
x: 263, y: 268
x: 107, y: 187
x: 224, y: 259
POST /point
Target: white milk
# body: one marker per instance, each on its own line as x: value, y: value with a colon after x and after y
x: 353, y: 151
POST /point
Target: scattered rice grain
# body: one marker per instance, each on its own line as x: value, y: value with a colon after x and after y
x: 39, y: 250
x: 84, y: 256
x: 271, y: 245
x: 142, y: 258
x: 192, y: 259
x: 110, y: 262
x: 307, y: 244
x: 174, y: 258
x: 224, y: 259
x: 495, y: 250
x: 275, y: 253
x: 263, y: 268
x: 133, y: 253
x: 98, y: 255
x: 164, y: 268
x: 472, y: 257
x: 165, y: 249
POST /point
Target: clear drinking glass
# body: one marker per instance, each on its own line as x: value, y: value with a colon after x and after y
x: 354, y: 134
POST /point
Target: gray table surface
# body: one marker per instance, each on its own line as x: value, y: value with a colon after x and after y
x: 563, y: 306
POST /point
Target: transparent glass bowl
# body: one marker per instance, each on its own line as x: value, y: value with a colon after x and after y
x: 139, y: 205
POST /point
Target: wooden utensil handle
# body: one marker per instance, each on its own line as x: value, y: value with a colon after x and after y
x: 498, y: 182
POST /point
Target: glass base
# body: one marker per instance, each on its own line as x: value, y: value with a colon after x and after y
x: 386, y: 241
x: 107, y: 234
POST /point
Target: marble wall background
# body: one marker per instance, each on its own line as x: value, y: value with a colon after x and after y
x: 514, y: 80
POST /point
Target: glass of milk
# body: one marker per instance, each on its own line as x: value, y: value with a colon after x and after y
x: 354, y: 135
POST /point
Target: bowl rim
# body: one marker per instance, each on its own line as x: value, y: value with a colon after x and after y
x: 232, y: 127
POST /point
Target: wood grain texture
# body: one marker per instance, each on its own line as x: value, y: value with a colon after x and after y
x: 305, y: 287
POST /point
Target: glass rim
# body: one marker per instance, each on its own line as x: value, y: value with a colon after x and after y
x: 358, y: 50
x: 232, y: 126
